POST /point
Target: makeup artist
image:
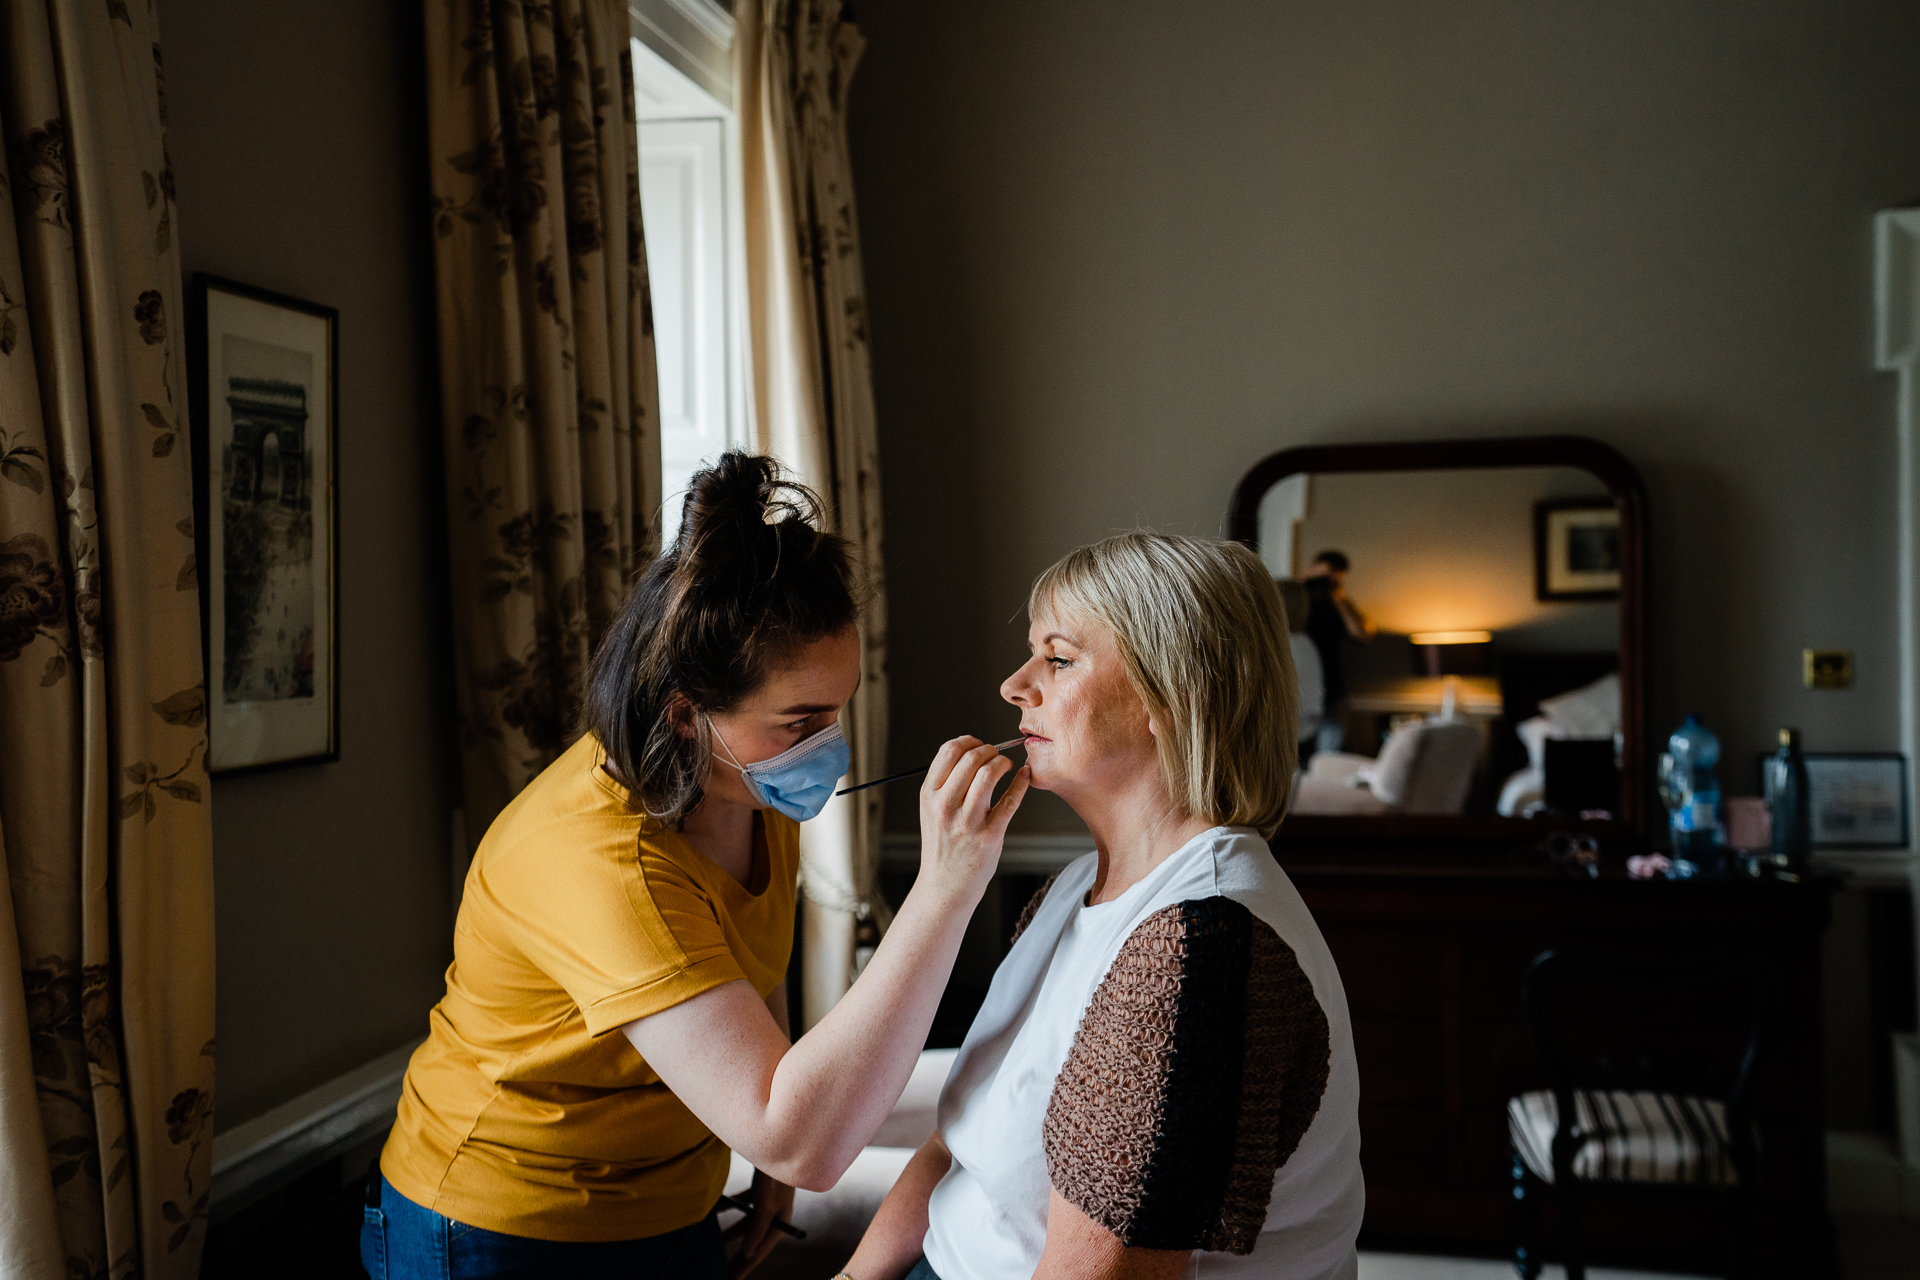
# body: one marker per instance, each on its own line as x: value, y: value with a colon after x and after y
x: 616, y: 1015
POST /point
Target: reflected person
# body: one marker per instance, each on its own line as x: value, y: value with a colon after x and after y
x: 1331, y: 618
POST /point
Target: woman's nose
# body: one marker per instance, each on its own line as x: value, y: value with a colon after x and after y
x: 1018, y: 688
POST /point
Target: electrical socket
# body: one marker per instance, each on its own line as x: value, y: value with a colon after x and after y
x: 1827, y: 668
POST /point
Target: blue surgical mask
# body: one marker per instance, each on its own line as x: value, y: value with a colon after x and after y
x: 800, y: 780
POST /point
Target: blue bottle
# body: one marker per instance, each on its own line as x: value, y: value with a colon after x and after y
x: 1698, y: 837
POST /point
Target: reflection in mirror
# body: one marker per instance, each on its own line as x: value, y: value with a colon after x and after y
x: 1457, y: 635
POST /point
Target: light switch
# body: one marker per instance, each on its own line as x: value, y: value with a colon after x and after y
x: 1827, y: 668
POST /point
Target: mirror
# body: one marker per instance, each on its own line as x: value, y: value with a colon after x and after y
x: 1466, y: 628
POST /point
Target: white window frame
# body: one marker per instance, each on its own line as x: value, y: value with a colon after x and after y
x: 714, y: 252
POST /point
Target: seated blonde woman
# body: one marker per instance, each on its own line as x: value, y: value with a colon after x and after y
x: 1161, y: 1080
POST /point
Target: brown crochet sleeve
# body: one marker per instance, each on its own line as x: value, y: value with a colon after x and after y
x: 1032, y: 909
x: 1198, y: 1065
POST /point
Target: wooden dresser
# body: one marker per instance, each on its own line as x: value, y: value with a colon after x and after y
x: 1432, y: 948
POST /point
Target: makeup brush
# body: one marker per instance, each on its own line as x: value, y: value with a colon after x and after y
x: 914, y: 773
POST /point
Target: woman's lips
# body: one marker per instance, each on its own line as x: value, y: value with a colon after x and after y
x: 1034, y: 737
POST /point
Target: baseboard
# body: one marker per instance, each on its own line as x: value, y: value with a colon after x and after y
x: 1021, y: 855
x: 263, y: 1154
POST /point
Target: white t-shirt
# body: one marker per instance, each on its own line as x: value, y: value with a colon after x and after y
x: 987, y: 1217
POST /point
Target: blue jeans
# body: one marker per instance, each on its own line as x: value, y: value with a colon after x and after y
x: 402, y: 1241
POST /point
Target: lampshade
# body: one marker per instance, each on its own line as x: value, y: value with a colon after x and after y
x: 1452, y: 653
x: 1425, y: 638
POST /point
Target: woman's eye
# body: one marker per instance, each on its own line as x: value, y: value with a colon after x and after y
x: 798, y: 725
x: 1060, y: 663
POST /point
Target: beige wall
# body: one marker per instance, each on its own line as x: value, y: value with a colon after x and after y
x: 1118, y: 252
x: 296, y: 135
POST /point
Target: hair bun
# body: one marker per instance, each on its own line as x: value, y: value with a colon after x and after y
x: 741, y: 492
x: 744, y: 521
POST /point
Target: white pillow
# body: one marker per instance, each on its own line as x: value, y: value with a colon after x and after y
x: 1523, y: 795
x: 1535, y: 732
x: 1338, y: 768
x: 1392, y: 771
x: 1589, y: 712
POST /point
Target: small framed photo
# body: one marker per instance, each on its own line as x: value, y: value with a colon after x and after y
x: 1858, y: 800
x: 1576, y: 549
x: 264, y: 370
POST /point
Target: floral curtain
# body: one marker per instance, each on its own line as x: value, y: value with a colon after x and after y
x: 813, y: 405
x: 106, y: 1046
x: 546, y: 363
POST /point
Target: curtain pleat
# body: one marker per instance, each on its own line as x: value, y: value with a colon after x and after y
x: 104, y: 819
x: 29, y: 1217
x: 813, y: 405
x: 546, y: 364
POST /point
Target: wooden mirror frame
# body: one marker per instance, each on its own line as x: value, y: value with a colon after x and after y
x: 1623, y: 482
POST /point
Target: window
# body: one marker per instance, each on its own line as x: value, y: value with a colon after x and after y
x: 689, y: 200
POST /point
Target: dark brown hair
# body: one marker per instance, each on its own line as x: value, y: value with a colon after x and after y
x: 750, y: 577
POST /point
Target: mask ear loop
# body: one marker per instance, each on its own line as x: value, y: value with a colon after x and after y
x: 715, y: 731
x: 733, y: 760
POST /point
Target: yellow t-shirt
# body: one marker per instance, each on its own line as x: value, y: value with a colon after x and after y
x: 521, y: 1113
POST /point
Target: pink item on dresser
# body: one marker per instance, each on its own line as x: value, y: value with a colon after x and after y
x: 1749, y: 825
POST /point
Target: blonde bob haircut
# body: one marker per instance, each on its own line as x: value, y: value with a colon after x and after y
x: 1203, y: 633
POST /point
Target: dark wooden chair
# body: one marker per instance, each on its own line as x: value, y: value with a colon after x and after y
x: 1650, y: 1060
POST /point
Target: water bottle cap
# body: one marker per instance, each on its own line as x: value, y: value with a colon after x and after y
x: 1789, y: 737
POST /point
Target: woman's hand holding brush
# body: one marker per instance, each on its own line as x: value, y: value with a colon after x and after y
x: 961, y: 828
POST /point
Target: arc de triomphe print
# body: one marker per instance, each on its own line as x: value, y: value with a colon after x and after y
x: 269, y: 417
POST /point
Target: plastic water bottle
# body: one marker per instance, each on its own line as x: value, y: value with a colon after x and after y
x: 1698, y: 837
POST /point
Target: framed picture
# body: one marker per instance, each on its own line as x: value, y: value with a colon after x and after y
x: 1858, y: 800
x: 1576, y: 549
x: 264, y: 371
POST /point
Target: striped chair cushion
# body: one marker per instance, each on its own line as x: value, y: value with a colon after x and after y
x: 1628, y: 1137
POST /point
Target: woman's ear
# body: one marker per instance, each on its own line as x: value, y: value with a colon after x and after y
x: 680, y: 714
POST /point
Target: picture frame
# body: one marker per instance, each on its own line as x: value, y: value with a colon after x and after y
x: 1857, y: 799
x: 1576, y: 549
x: 263, y: 375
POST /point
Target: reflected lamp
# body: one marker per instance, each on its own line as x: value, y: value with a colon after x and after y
x: 1452, y: 653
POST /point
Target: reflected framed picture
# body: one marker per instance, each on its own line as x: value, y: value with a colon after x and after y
x: 1858, y: 800
x: 1576, y: 549
x: 264, y: 375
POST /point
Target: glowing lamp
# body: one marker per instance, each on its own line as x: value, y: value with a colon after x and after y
x: 1452, y: 653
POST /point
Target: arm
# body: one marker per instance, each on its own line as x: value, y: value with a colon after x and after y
x: 895, y: 1236
x: 801, y: 1112
x: 1179, y: 1152
x: 1078, y: 1248
x: 1359, y: 625
x: 769, y: 1197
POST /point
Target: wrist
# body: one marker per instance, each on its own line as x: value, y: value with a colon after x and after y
x: 947, y: 893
